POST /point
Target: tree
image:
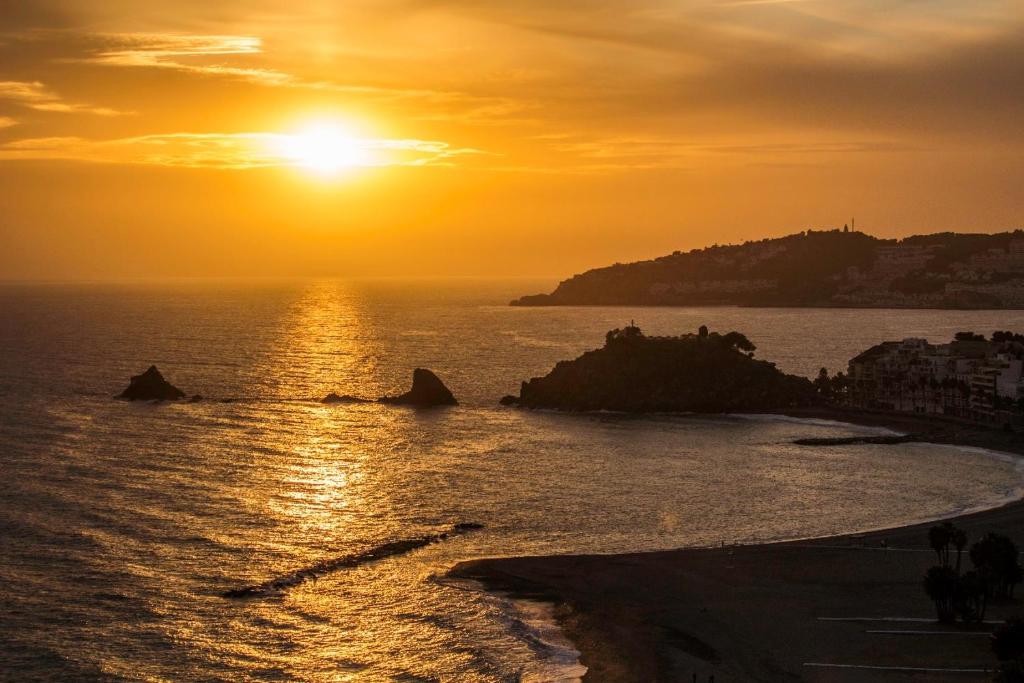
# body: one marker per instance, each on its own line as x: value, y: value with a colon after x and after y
x: 955, y: 595
x: 840, y: 384
x: 940, y: 583
x: 959, y: 540
x: 822, y: 384
x: 940, y: 537
x: 1007, y: 336
x: 971, y: 598
x: 995, y: 557
x: 968, y: 336
x: 738, y: 341
x: 627, y: 333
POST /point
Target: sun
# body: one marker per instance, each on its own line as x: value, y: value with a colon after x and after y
x: 324, y: 148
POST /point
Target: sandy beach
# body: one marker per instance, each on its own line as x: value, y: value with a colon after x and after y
x: 845, y: 608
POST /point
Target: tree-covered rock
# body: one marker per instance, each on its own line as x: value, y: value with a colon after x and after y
x: 705, y: 372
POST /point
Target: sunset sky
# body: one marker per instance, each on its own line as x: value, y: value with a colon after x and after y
x: 518, y: 137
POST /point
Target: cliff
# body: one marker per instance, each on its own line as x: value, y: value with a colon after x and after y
x: 815, y: 268
x: 704, y: 372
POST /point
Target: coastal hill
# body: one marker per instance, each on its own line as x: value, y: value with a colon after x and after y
x: 841, y: 268
x: 705, y: 372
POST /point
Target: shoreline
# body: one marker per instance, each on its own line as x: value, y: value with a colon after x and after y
x: 756, y: 612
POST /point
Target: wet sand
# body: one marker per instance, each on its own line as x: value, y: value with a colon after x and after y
x: 833, y: 609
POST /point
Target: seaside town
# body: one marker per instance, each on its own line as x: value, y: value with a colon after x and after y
x: 820, y: 268
x: 905, y: 274
x: 971, y: 378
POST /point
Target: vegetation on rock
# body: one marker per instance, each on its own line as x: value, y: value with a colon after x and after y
x: 705, y: 372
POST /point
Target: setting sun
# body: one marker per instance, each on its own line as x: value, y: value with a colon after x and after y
x: 324, y: 148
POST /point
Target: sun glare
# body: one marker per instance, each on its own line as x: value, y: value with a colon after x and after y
x: 324, y: 149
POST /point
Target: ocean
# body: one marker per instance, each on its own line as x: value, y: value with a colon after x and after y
x: 123, y: 524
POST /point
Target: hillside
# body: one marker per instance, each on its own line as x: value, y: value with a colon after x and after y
x: 815, y: 268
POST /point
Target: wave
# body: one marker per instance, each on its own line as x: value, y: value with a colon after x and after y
x: 559, y: 658
x: 534, y: 623
x: 315, y: 571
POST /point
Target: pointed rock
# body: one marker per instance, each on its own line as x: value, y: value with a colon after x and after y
x: 150, y: 386
x: 427, y: 390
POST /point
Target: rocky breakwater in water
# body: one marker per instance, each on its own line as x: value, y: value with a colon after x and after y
x: 705, y: 372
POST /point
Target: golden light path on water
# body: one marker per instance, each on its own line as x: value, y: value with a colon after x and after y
x: 125, y: 523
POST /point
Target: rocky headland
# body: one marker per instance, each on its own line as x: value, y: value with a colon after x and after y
x: 823, y: 268
x: 705, y: 372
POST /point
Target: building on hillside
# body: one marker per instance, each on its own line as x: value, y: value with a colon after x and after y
x: 976, y: 380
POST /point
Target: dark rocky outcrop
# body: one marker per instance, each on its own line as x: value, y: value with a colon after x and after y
x: 704, y: 372
x: 151, y: 386
x: 427, y: 390
x: 343, y: 398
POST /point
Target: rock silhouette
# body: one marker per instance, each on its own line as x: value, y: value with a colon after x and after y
x: 343, y: 398
x: 427, y: 390
x: 703, y: 373
x: 151, y: 386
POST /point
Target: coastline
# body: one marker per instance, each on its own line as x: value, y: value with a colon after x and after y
x: 790, y: 610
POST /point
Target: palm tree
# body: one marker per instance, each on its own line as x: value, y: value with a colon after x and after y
x: 939, y: 537
x: 995, y: 558
x: 940, y: 583
x: 959, y: 540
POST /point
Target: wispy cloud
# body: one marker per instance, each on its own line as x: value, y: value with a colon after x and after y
x: 36, y: 95
x: 7, y: 122
x: 653, y: 152
x: 193, y: 54
x: 173, y: 51
x: 230, y: 151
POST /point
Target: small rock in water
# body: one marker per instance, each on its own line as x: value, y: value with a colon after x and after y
x: 427, y: 390
x: 343, y: 398
x: 151, y: 386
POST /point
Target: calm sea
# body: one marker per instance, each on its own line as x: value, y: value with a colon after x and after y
x: 121, y: 524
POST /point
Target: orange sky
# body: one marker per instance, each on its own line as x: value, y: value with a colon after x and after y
x: 517, y: 137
